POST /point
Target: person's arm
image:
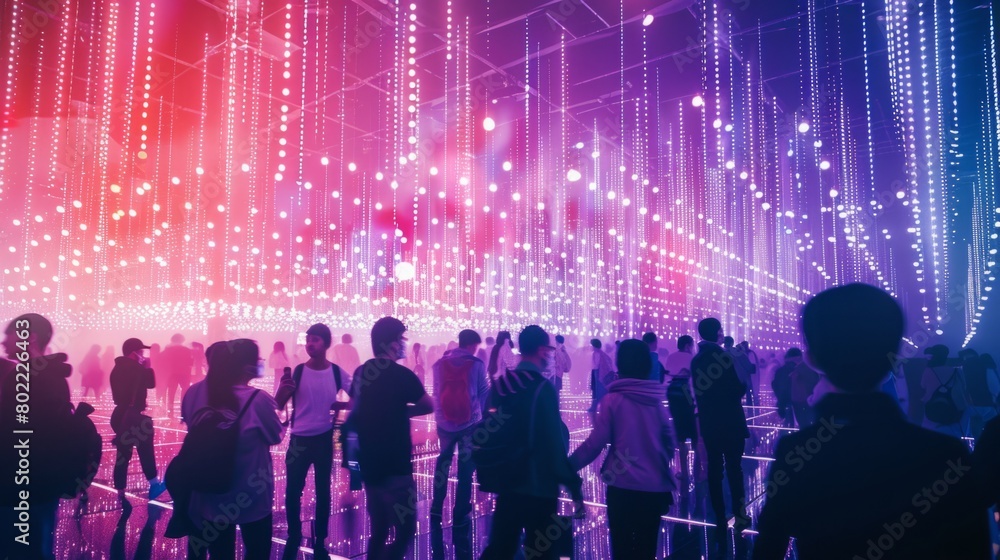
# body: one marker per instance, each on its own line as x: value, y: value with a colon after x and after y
x: 482, y: 386
x: 599, y: 438
x: 549, y: 441
x: 149, y: 379
x: 772, y: 541
x: 425, y: 405
x: 270, y: 426
x: 286, y: 388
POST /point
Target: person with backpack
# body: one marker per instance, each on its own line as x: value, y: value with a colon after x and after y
x: 384, y: 396
x: 522, y: 456
x: 945, y: 395
x: 59, y: 439
x: 313, y: 390
x: 226, y: 459
x: 131, y: 378
x: 633, y: 420
x: 461, y: 389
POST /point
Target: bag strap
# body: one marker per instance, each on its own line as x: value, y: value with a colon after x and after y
x: 296, y: 378
x: 338, y: 376
x: 245, y: 407
x: 532, y: 416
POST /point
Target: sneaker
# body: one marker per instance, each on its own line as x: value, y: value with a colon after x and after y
x: 156, y: 487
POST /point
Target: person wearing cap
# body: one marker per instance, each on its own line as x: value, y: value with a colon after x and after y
x: 130, y: 379
x: 313, y: 390
x: 528, y: 500
x: 862, y: 482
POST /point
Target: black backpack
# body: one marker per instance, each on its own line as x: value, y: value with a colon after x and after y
x: 501, y: 448
x: 79, y: 454
x: 941, y: 407
x: 207, y: 459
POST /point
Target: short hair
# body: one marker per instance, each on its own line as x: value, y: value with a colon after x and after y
x: 853, y: 332
x: 385, y: 331
x: 728, y: 342
x: 531, y: 339
x: 346, y: 339
x: 40, y: 327
x: 560, y: 339
x: 595, y: 342
x: 468, y: 337
x: 490, y: 340
x: 178, y: 338
x: 322, y: 331
x: 633, y: 359
x: 793, y: 352
x: 649, y: 337
x: 683, y: 341
x: 708, y: 329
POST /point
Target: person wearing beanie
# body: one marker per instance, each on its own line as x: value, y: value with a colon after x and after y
x: 862, y: 482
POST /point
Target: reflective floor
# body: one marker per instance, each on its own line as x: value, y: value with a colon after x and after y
x: 104, y: 529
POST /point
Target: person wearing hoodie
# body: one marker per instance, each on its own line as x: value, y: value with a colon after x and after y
x: 634, y: 421
x: 131, y: 378
x: 25, y: 340
x: 461, y: 389
x: 528, y: 490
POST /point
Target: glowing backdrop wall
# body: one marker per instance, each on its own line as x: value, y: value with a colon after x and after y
x: 598, y: 168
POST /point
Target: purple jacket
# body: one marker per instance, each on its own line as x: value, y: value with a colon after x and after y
x: 634, y: 420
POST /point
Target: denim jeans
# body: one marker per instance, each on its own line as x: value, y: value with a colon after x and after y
x: 463, y: 490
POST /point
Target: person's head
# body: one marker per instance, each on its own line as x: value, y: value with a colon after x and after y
x: 36, y: 331
x: 417, y: 347
x: 650, y: 340
x: 469, y: 340
x: 318, y: 340
x: 560, y: 339
x: 199, y: 347
x: 710, y: 330
x: 633, y: 359
x: 685, y: 343
x: 793, y: 355
x: 490, y: 341
x: 132, y: 349
x: 230, y: 363
x: 503, y: 337
x: 727, y: 342
x: 596, y: 343
x: 534, y: 345
x: 279, y: 347
x: 852, y: 334
x: 389, y: 339
x: 938, y: 355
x: 968, y: 355
x: 346, y: 339
x: 95, y: 349
x: 178, y: 338
x: 745, y: 346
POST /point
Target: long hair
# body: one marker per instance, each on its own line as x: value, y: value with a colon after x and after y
x: 495, y: 353
x: 227, y: 363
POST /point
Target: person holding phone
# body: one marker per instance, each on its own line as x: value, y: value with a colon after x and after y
x: 313, y: 390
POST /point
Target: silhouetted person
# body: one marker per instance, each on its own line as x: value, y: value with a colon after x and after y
x: 939, y: 377
x: 679, y: 397
x: 753, y: 365
x: 862, y: 482
x: 131, y: 378
x: 176, y: 363
x: 782, y: 385
x: 561, y: 363
x: 601, y: 374
x: 633, y: 420
x: 656, y: 369
x: 461, y: 388
x: 484, y: 352
x: 250, y: 499
x: 25, y: 341
x: 502, y: 356
x: 91, y: 375
x: 803, y: 383
x: 346, y: 355
x: 983, y: 387
x: 277, y: 361
x: 719, y: 393
x: 527, y: 498
x: 385, y: 396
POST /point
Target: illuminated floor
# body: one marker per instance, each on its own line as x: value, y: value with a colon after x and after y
x: 106, y: 531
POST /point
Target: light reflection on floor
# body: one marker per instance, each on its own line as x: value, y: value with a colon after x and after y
x: 107, y: 531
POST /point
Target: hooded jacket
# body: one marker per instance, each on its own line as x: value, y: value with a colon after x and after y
x: 548, y: 466
x: 633, y: 419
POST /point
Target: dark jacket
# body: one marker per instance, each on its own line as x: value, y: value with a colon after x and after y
x: 986, y: 459
x: 862, y: 482
x: 548, y: 463
x: 129, y: 382
x: 719, y: 393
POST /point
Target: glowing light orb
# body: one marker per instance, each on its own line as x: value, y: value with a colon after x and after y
x: 489, y: 124
x: 573, y: 176
x: 324, y: 160
x: 824, y: 165
x: 507, y: 166
x: 698, y: 101
x: 405, y: 271
x: 804, y: 127
x: 648, y: 20
x: 434, y: 171
x: 352, y: 166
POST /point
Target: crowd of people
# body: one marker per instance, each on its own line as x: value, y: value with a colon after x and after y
x: 876, y: 451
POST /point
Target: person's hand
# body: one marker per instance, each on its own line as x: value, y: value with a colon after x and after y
x: 286, y: 383
x: 579, y: 509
